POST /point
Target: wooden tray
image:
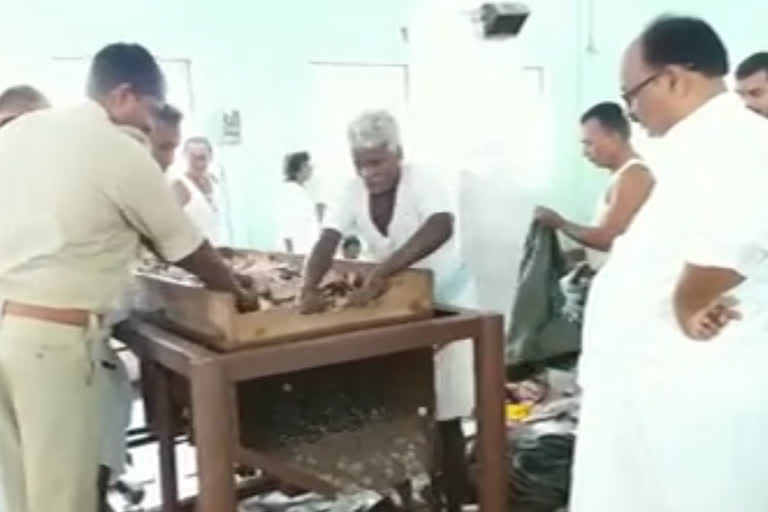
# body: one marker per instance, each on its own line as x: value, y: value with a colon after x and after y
x: 212, y: 319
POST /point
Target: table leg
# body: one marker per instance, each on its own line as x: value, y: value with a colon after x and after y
x: 212, y: 418
x: 492, y: 442
x: 163, y: 419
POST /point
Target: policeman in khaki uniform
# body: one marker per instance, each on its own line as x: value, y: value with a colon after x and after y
x: 118, y: 393
x: 78, y: 194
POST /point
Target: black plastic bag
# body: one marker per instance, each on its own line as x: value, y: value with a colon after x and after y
x: 539, y: 328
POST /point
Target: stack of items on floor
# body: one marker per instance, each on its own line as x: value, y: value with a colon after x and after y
x: 362, y: 501
x: 542, y: 414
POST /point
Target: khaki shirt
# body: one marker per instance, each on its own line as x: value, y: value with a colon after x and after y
x: 76, y: 193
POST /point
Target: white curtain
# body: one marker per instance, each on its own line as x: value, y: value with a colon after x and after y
x: 471, y: 114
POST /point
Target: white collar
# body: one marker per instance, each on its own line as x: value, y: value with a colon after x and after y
x: 93, y: 107
x: 711, y: 110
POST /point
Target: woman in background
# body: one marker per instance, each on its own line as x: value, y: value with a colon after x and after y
x: 299, y: 223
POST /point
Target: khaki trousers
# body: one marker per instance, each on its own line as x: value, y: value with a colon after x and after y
x: 50, y: 416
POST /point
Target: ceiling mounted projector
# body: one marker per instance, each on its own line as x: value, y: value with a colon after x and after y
x: 502, y: 19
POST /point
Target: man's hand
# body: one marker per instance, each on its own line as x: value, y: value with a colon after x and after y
x: 548, y: 217
x: 374, y: 287
x: 702, y: 304
x: 245, y: 281
x: 311, y: 301
x: 246, y: 300
x: 707, y: 323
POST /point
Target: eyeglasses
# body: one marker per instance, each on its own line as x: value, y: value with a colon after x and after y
x: 7, y: 120
x: 630, y: 94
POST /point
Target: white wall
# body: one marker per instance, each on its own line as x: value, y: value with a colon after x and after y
x: 253, y: 56
x: 478, y: 128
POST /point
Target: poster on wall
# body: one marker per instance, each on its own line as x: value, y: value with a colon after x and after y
x: 231, y: 128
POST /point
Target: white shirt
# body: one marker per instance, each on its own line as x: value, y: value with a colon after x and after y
x: 708, y: 208
x: 77, y: 192
x: 669, y: 423
x: 202, y: 210
x: 297, y: 218
x: 417, y: 199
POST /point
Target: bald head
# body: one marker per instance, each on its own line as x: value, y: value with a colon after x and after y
x: 675, y: 66
x: 18, y: 100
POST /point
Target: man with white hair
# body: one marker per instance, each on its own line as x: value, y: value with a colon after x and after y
x: 403, y: 219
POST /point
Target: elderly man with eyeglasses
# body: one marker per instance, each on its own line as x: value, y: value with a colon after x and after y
x: 673, y: 420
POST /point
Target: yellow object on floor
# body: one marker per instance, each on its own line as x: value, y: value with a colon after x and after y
x: 518, y: 412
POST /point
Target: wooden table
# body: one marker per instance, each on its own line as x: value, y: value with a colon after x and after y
x: 213, y: 378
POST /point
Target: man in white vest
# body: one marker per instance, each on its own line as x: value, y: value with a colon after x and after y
x: 606, y: 141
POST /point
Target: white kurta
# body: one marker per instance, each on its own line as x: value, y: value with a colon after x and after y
x: 297, y: 218
x: 417, y: 199
x: 669, y: 424
x: 202, y: 211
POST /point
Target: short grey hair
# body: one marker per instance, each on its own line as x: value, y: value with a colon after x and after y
x: 372, y: 129
x: 22, y: 97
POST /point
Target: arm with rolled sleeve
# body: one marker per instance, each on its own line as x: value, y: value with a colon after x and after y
x: 340, y: 213
x: 436, y: 207
x: 140, y: 191
x: 147, y: 203
x: 339, y: 220
x: 728, y: 227
x: 728, y: 240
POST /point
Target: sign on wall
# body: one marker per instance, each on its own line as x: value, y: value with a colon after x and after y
x: 230, y: 126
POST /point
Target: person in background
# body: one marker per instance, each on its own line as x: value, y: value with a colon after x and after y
x: 672, y: 416
x: 18, y: 100
x: 752, y: 82
x: 351, y: 248
x: 196, y: 188
x: 165, y: 135
x: 14, y: 102
x: 299, y: 222
x: 606, y: 142
x: 404, y: 219
x: 65, y: 261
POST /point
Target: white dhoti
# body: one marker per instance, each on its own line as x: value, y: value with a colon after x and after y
x: 637, y: 451
x: 117, y: 391
x: 117, y: 396
x: 455, y: 363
